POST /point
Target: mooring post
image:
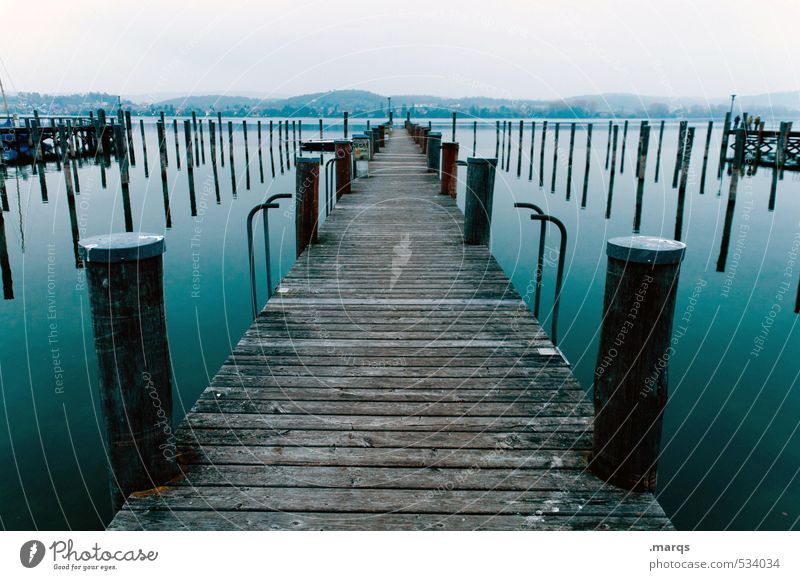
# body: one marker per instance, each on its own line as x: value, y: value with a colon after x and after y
x: 478, y: 201
x: 636, y: 343
x: 423, y: 141
x: 434, y: 149
x: 449, y: 170
x: 608, y: 145
x: 306, y: 208
x: 679, y: 155
x: 345, y: 124
x: 343, y: 151
x: 126, y: 294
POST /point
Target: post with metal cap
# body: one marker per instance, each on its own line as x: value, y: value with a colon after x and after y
x: 306, y: 203
x: 478, y: 202
x: 434, y: 149
x: 342, y: 149
x: 126, y: 293
x: 449, y: 169
x: 636, y: 343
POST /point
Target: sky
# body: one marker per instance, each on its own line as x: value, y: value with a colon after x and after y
x: 496, y: 48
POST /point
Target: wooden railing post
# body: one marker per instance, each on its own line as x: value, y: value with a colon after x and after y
x: 342, y: 150
x: 306, y: 203
x: 478, y: 202
x: 449, y: 169
x: 126, y: 294
x: 423, y: 139
x: 434, y: 149
x: 636, y: 344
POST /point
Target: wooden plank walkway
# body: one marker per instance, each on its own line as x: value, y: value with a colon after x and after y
x: 397, y: 381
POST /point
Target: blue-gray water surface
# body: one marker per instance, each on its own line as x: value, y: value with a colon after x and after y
x: 731, y: 449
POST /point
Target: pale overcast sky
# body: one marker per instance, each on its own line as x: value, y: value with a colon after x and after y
x: 515, y: 49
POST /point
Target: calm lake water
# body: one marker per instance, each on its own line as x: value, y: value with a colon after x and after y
x: 731, y: 448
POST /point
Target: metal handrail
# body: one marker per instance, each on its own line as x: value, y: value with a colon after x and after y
x: 329, y: 203
x: 542, y: 217
x: 263, y: 207
x: 537, y: 299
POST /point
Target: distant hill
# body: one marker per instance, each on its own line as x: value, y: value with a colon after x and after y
x: 360, y: 103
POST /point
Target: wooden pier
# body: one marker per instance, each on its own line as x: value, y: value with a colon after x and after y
x: 395, y: 381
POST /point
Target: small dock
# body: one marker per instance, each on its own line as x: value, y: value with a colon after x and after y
x: 396, y: 381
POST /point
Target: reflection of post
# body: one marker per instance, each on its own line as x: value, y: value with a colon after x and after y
x: 478, y: 201
x: 613, y: 173
x: 125, y: 278
x: 630, y: 384
x: 685, y: 159
x: 246, y: 157
x: 586, y: 169
x: 70, y: 190
x: 541, y: 154
x: 705, y: 157
x: 5, y: 264
x: 555, y: 159
x: 726, y: 231
x: 530, y: 159
x: 162, y: 158
x: 212, y: 141
x: 569, y: 160
x: 187, y: 130
x: 230, y: 150
x: 260, y: 156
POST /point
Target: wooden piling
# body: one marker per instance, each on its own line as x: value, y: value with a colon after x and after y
x: 723, y: 147
x: 306, y: 201
x: 144, y: 149
x: 344, y: 122
x: 271, y: 151
x: 503, y: 146
x: 212, y: 140
x: 478, y: 200
x: 519, y: 148
x: 639, y: 151
x: 202, y: 143
x: 126, y: 294
x: 453, y: 137
x: 658, y: 152
x: 622, y: 152
x: 508, y: 153
x: 497, y: 139
x: 641, y: 170
x: 630, y: 384
x: 555, y: 159
x: 343, y: 149
x: 221, y: 140
x: 196, y: 148
x: 177, y: 147
x: 608, y: 145
x: 449, y: 173
x: 474, y: 137
x: 129, y: 133
x: 679, y: 155
x: 434, y: 152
